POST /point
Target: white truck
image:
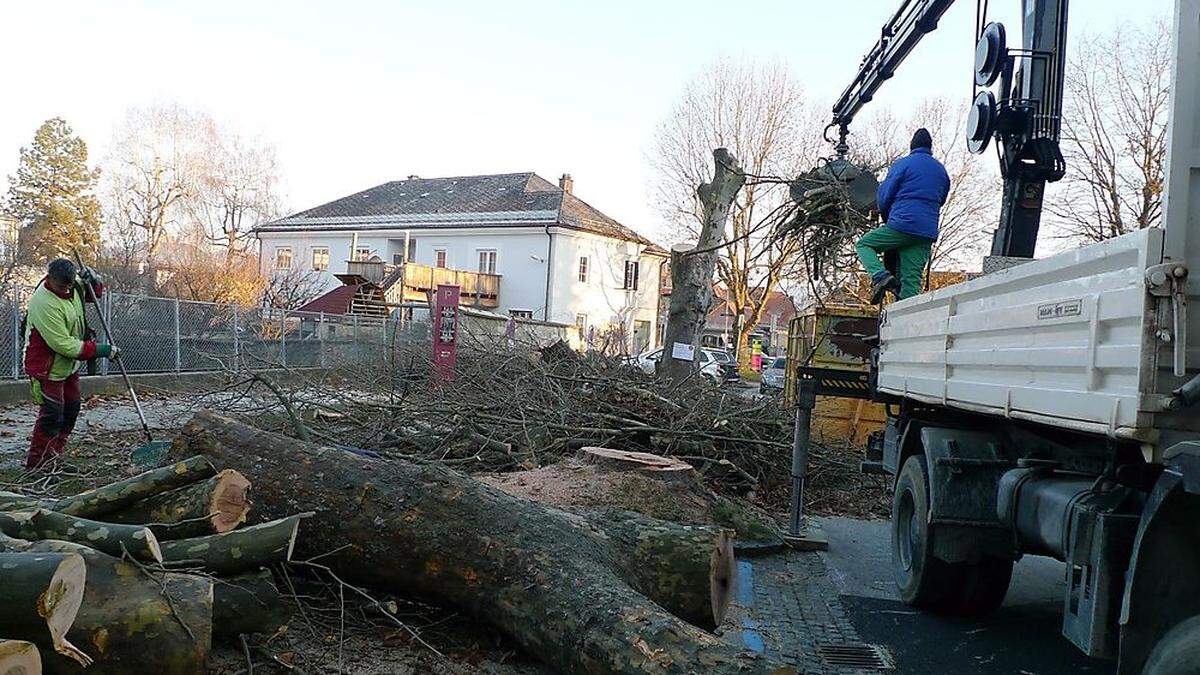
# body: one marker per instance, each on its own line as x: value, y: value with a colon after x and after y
x: 1051, y: 408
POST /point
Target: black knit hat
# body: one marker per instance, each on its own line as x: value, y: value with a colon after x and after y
x: 921, y: 139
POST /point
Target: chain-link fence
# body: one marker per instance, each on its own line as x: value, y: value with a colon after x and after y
x: 161, y: 335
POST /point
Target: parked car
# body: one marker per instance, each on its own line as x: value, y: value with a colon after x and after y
x: 773, y: 376
x: 715, y: 365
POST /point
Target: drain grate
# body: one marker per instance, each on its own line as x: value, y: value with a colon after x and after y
x: 855, y: 655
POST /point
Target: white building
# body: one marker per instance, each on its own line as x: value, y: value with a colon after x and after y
x: 556, y: 257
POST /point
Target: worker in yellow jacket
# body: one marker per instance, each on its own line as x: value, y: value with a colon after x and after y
x: 56, y: 345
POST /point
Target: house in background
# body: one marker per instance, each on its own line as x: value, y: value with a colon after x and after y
x: 721, y: 326
x: 514, y: 243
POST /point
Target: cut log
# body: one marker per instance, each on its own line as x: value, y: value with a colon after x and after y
x: 41, y: 594
x: 118, y: 495
x: 18, y: 657
x: 115, y: 540
x: 249, y: 603
x: 133, y: 622
x: 11, y: 501
x: 212, y: 506
x: 545, y: 577
x: 688, y: 570
x: 237, y: 551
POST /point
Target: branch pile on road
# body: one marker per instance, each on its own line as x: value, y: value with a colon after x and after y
x: 140, y: 575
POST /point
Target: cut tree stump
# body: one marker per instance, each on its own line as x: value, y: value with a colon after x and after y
x: 211, y: 506
x: 238, y: 551
x: 41, y: 594
x: 249, y: 603
x: 113, y: 539
x: 18, y: 657
x: 135, y: 622
x: 118, y: 495
x: 545, y: 577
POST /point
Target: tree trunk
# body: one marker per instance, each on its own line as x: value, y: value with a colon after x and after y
x: 235, y: 552
x: 692, y: 268
x: 212, y: 506
x: 18, y: 657
x: 115, y: 540
x: 118, y: 495
x: 543, y: 576
x: 41, y: 594
x: 132, y: 622
x: 250, y: 603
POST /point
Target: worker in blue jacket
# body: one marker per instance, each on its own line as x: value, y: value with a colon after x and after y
x: 910, y: 200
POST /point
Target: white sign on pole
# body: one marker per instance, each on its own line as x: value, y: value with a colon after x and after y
x: 683, y: 351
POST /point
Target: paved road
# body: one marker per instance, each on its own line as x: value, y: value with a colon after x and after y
x: 1024, y: 636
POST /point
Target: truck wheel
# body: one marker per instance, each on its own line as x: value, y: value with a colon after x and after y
x: 1178, y: 652
x: 921, y: 579
x: 964, y: 589
x: 984, y: 585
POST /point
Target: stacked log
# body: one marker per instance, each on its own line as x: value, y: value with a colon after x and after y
x: 91, y: 570
x: 608, y: 592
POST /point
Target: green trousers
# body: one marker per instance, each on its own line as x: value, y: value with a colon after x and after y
x: 913, y: 252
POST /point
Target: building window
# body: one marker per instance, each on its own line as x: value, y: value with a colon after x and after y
x: 439, y: 257
x: 581, y: 324
x: 583, y: 268
x: 632, y: 270
x: 362, y: 253
x: 283, y: 257
x: 397, y: 258
x: 487, y: 260
x: 320, y: 258
x: 412, y: 250
x: 521, y: 313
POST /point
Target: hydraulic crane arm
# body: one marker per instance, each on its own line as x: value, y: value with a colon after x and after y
x: 900, y: 35
x: 1025, y: 118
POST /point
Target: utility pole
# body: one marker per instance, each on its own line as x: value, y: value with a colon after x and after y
x: 692, y: 269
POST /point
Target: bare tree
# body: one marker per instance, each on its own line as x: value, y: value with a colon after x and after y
x: 238, y: 190
x: 757, y: 111
x: 156, y: 160
x: 1114, y: 134
x: 289, y: 289
x: 198, y: 271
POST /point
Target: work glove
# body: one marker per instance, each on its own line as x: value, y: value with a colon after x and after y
x: 107, y: 351
x: 93, y: 281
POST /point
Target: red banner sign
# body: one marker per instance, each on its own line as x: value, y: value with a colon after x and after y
x: 445, y: 332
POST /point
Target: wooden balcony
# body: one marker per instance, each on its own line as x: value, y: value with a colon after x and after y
x: 475, y: 288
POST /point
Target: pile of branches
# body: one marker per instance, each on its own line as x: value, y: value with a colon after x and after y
x: 833, y: 205
x: 140, y: 575
x: 519, y: 409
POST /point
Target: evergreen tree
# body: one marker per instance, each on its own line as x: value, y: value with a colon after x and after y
x: 53, y: 197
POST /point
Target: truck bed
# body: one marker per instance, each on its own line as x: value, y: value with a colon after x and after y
x: 1069, y: 341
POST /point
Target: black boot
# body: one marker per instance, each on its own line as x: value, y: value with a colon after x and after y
x: 880, y: 284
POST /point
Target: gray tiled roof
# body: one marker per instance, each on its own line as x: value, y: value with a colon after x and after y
x: 510, y: 199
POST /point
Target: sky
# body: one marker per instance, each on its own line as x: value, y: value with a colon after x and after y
x: 354, y: 94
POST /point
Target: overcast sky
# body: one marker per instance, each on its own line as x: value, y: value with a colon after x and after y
x: 357, y: 93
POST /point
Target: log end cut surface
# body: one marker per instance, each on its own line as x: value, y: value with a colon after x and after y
x: 18, y: 657
x: 230, y: 505
x: 723, y: 577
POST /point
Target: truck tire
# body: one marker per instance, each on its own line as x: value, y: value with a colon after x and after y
x: 923, y: 580
x: 1178, y: 652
